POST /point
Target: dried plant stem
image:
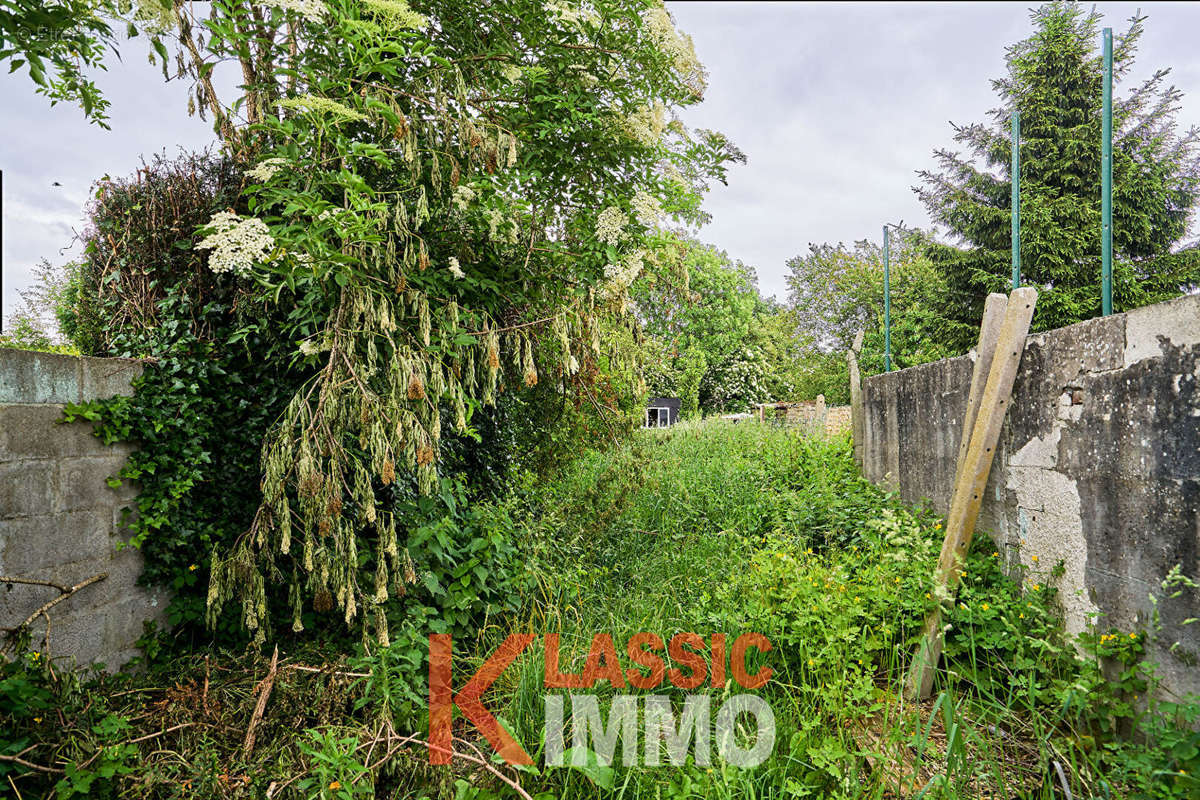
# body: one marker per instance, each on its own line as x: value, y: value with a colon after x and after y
x: 44, y: 609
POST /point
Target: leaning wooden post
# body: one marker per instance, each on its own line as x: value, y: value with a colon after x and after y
x: 989, y: 333
x: 972, y: 480
x: 857, y: 420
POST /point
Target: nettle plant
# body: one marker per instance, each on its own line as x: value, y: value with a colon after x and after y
x: 454, y: 200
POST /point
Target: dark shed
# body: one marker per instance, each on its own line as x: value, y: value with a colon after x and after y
x: 662, y: 412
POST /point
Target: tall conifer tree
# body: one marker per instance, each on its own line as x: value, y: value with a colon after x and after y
x: 1055, y: 81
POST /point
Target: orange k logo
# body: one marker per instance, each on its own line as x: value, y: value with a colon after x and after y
x: 442, y: 699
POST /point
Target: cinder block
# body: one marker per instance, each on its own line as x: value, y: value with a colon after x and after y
x: 75, y: 634
x: 18, y: 601
x: 102, y: 378
x: 125, y: 621
x: 29, y: 377
x: 29, y: 545
x: 124, y: 566
x: 83, y: 482
x: 27, y: 488
x: 34, y: 431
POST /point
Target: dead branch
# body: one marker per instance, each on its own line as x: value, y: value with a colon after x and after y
x: 43, y: 611
x: 264, y: 693
x: 30, y: 764
x: 320, y: 670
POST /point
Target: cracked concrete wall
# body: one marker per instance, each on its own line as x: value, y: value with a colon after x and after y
x: 59, y: 519
x: 1098, y: 467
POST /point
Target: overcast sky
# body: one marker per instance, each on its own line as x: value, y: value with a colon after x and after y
x: 835, y: 105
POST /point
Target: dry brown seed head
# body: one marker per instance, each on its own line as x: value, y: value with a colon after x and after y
x: 323, y: 601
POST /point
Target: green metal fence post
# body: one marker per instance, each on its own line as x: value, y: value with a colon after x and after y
x: 1016, y: 200
x: 887, y: 306
x: 1106, y: 181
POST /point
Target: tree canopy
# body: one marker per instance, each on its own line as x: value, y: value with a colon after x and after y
x: 424, y: 214
x: 1054, y: 81
x: 714, y: 341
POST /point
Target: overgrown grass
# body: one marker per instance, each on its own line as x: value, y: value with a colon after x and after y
x: 716, y: 528
x: 706, y: 528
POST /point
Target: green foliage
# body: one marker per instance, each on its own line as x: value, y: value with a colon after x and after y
x: 706, y: 528
x: 823, y: 374
x: 418, y: 197
x: 713, y: 336
x: 24, y: 333
x: 202, y: 401
x: 835, y: 291
x: 47, y: 320
x: 337, y: 774
x: 1054, y: 81
x: 693, y: 363
x: 737, y: 528
x: 55, y: 41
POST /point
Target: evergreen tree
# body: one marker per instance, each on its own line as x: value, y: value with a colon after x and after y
x: 1055, y: 81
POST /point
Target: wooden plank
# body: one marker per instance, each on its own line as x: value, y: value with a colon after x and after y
x: 989, y: 333
x: 968, y: 492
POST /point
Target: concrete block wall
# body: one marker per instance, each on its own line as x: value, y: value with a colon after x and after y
x: 1098, y: 467
x: 59, y: 519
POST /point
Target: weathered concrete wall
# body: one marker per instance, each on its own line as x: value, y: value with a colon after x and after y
x: 58, y: 517
x: 1098, y: 466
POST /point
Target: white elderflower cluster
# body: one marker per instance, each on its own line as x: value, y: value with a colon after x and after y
x: 311, y: 10
x: 610, y: 225
x: 588, y: 79
x: 266, y: 169
x: 646, y: 125
x: 237, y: 244
x: 494, y: 217
x: 322, y: 106
x: 511, y: 73
x: 570, y: 13
x: 624, y: 272
x: 397, y: 13
x: 456, y: 269
x: 462, y: 197
x: 678, y: 47
x: 310, y: 348
x: 647, y: 208
x: 671, y: 172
